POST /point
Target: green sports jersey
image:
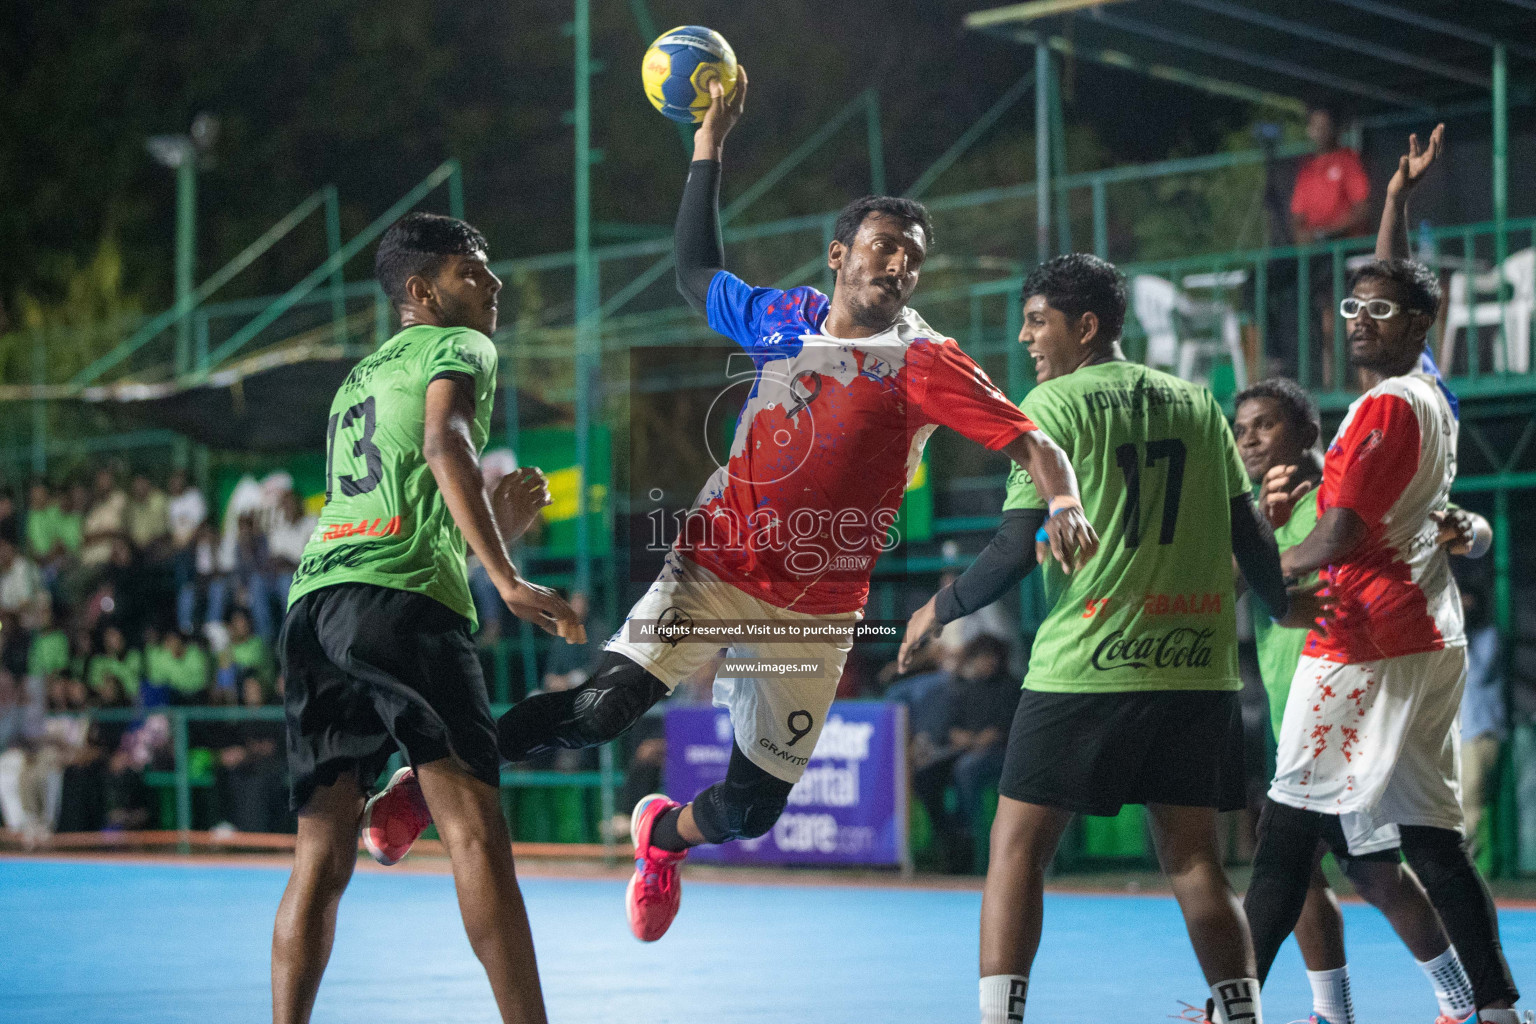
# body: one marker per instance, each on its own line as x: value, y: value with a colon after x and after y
x: 1279, y: 648
x: 1157, y: 468
x: 384, y: 520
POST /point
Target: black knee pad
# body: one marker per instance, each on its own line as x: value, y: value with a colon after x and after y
x: 744, y: 806
x: 1437, y: 855
x: 1288, y: 837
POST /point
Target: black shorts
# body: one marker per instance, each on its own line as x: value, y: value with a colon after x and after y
x: 1094, y: 752
x: 369, y: 670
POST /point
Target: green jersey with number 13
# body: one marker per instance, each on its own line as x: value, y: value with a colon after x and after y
x: 385, y: 522
x: 1157, y: 467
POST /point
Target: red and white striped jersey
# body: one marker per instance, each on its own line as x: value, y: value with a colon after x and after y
x: 1392, y: 462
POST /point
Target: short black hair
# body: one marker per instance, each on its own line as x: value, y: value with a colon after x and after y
x: 1081, y: 283
x: 1298, y: 406
x: 416, y: 245
x: 852, y: 215
x: 1421, y: 288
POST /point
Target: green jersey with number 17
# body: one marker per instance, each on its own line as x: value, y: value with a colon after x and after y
x: 1157, y: 468
x: 385, y: 522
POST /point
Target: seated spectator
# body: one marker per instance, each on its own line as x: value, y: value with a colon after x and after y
x: 48, y: 654
x: 82, y: 647
x: 148, y: 520
x: 114, y: 667
x: 186, y: 512
x: 24, y: 764
x: 247, y: 653
x: 979, y: 698
x: 45, y: 539
x: 181, y: 666
x: 290, y: 531
x: 248, y: 563
x: 252, y: 774
x: 23, y: 596
x: 210, y: 582
x: 127, y: 796
x: 106, y: 520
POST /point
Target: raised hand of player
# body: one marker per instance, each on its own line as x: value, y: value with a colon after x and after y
x: 545, y: 609
x: 517, y: 499
x: 1312, y: 607
x: 922, y: 627
x: 724, y: 112
x: 1278, y: 498
x: 1412, y: 165
x: 1070, y: 539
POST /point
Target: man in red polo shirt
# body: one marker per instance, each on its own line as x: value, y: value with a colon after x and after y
x: 1331, y: 189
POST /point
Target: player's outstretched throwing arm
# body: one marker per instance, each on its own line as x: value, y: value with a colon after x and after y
x: 486, y: 520
x: 696, y: 236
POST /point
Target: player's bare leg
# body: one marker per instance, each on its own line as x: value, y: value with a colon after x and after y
x: 1191, y: 858
x: 324, y: 856
x: 1396, y: 892
x: 1024, y: 841
x: 467, y: 813
x: 1320, y: 929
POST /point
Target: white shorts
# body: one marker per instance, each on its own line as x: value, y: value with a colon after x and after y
x: 1374, y: 742
x: 777, y: 720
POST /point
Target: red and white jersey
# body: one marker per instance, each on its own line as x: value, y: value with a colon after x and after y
x: 830, y: 435
x: 1392, y: 462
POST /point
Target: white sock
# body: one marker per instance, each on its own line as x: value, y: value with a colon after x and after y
x: 1002, y: 998
x: 1330, y: 995
x: 1237, y: 1001
x: 1452, y: 988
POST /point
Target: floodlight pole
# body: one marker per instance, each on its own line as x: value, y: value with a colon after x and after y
x: 586, y: 286
x: 1501, y: 180
x: 186, y: 254
x: 1042, y: 152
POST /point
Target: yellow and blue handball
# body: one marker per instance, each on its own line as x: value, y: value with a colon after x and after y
x: 679, y: 67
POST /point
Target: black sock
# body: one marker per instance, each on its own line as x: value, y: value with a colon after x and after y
x: 664, y: 833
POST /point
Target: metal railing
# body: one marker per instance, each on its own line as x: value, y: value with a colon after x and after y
x: 606, y: 779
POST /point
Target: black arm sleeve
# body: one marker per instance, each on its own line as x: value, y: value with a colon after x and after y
x: 1253, y: 544
x: 696, y: 237
x: 1007, y: 560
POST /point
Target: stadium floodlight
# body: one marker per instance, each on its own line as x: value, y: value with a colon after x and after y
x: 170, y: 150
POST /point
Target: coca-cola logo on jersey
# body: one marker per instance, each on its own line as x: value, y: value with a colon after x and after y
x: 1182, y: 647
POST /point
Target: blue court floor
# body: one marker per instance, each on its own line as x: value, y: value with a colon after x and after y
x: 85, y: 942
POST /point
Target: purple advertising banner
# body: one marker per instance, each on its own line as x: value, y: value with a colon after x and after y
x: 850, y: 806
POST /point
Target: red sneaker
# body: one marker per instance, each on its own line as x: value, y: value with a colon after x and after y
x: 1444, y: 1018
x: 395, y: 817
x: 655, y: 891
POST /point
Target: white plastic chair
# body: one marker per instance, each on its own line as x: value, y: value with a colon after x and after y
x: 1463, y: 310
x: 1181, y: 330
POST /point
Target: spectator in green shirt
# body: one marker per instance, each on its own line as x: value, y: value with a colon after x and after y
x: 247, y: 654
x: 115, y: 662
x: 43, y: 513
x: 49, y: 653
x: 181, y: 666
